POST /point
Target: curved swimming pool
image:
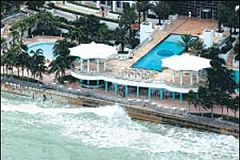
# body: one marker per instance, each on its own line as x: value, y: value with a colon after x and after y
x: 47, y: 48
x: 166, y: 48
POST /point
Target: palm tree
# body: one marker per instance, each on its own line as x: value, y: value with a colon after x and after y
x: 10, y: 59
x: 36, y: 61
x: 142, y: 6
x: 16, y: 36
x: 186, y: 41
x: 127, y: 19
x: 41, y: 69
x: 192, y: 99
x: 211, y: 52
x: 62, y: 59
x: 161, y: 9
x: 103, y: 33
x: 197, y: 47
x: 61, y: 48
x: 35, y: 5
x: 76, y: 34
x: 120, y: 36
x: 235, y: 105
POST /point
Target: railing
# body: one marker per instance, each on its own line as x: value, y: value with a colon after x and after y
x: 118, y: 76
x: 113, y: 99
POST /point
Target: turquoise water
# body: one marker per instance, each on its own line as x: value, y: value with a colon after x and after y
x: 46, y: 47
x: 236, y: 78
x: 166, y: 48
x: 33, y: 130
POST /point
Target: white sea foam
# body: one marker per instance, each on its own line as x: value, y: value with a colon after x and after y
x: 110, y: 127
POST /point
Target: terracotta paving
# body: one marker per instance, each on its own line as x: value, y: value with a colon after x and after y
x: 41, y: 39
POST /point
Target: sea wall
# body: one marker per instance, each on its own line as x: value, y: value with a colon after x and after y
x: 164, y: 118
x: 55, y: 95
x: 135, y: 112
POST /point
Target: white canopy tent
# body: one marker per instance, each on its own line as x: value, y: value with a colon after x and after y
x: 93, y: 51
x: 186, y: 62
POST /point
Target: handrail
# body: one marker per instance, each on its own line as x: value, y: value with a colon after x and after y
x: 119, y: 77
x: 113, y: 99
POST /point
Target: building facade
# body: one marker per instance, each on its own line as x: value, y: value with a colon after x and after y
x: 202, y: 9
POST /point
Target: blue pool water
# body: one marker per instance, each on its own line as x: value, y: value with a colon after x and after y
x: 236, y: 78
x: 46, y: 47
x: 166, y: 48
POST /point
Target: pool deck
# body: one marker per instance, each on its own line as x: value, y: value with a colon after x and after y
x: 183, y: 25
x: 42, y: 39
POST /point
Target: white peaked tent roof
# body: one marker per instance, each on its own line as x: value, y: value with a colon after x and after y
x: 186, y: 62
x: 93, y: 51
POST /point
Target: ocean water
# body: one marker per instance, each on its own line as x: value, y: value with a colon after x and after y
x: 36, y: 130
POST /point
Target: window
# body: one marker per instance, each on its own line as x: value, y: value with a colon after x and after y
x: 109, y: 3
x: 119, y: 4
x: 102, y: 2
x: 125, y: 4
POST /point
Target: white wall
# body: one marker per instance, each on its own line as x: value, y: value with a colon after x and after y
x: 145, y: 31
x: 208, y: 38
x: 111, y: 25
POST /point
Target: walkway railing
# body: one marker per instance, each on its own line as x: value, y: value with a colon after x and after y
x: 120, y: 76
x: 122, y: 101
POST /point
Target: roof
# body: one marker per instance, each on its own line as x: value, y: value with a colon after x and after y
x: 186, y: 62
x: 93, y: 51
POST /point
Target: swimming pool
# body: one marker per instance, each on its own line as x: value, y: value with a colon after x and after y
x: 236, y: 78
x: 166, y: 48
x: 46, y: 47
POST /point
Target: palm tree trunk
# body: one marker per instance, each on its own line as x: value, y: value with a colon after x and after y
x: 6, y: 69
x: 122, y: 47
x: 22, y: 71
x: 130, y: 37
x: 222, y: 111
x: 211, y: 112
x: 12, y: 70
x: 18, y: 71
x: 227, y: 113
x: 144, y: 16
x: 219, y: 26
x: 231, y: 32
x: 200, y: 110
x: 159, y: 21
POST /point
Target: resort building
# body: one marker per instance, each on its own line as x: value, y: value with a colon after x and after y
x: 150, y: 69
x: 203, y: 9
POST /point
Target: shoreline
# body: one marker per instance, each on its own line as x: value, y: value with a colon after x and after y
x: 134, y: 111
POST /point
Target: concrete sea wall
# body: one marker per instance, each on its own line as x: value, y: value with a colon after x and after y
x: 135, y: 112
